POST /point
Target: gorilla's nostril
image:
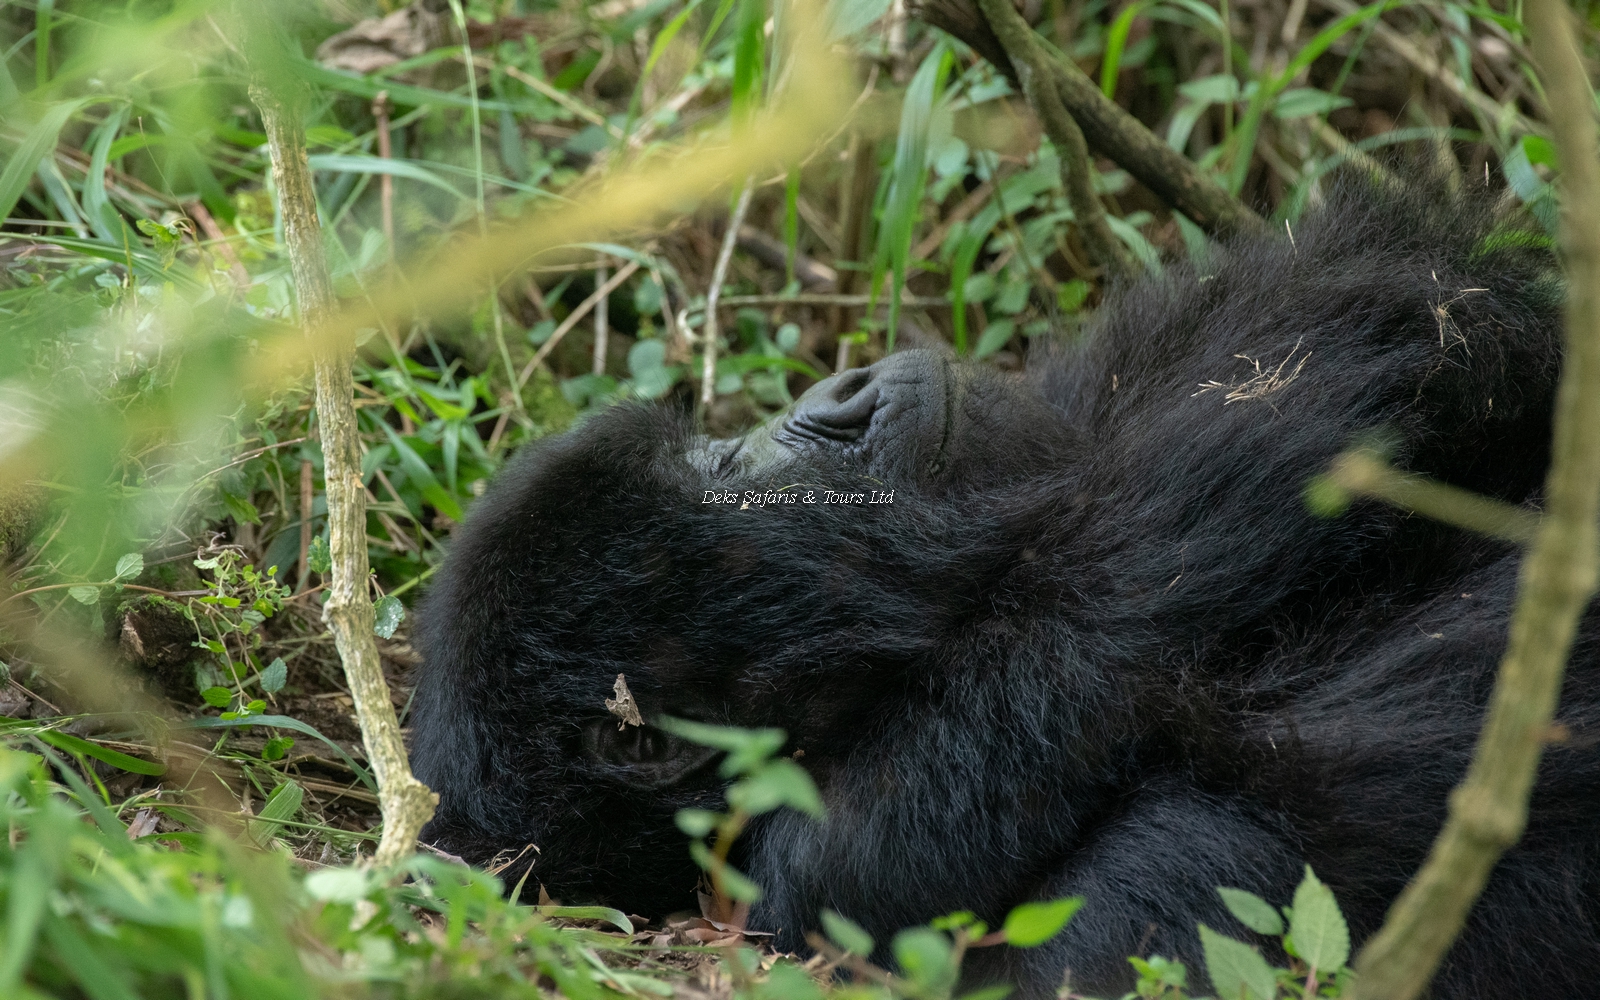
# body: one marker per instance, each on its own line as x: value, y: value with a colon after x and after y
x: 850, y: 383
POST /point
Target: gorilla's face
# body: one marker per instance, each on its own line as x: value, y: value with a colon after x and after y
x: 597, y: 553
x: 914, y: 420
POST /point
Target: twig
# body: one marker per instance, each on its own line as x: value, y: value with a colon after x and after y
x: 708, y: 335
x: 1489, y: 809
x: 1361, y: 473
x: 623, y: 274
x: 602, y: 320
x: 406, y: 803
x: 1106, y: 127
x: 1033, y: 69
x: 380, y: 112
x: 828, y: 299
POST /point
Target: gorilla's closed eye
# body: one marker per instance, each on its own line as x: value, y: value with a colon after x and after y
x: 643, y: 756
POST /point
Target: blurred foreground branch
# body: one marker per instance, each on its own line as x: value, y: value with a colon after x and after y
x: 1360, y: 472
x: 1489, y: 809
x: 1107, y: 128
x: 406, y: 803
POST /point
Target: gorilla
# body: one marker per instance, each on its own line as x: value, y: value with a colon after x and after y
x: 1074, y: 631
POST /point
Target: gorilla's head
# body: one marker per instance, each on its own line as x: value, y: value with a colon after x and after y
x: 780, y: 578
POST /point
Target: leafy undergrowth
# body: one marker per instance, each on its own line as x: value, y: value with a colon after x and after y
x: 114, y: 911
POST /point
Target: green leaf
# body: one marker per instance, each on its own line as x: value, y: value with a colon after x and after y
x: 277, y: 748
x: 1238, y: 972
x: 85, y: 594
x: 697, y: 822
x: 340, y: 885
x: 39, y: 141
x: 846, y: 933
x: 924, y: 955
x: 846, y: 17
x: 1032, y: 924
x: 273, y: 678
x: 774, y: 784
x: 387, y: 613
x: 1251, y: 910
x: 286, y: 722
x: 995, y: 336
x: 281, y: 805
x: 746, y: 748
x: 423, y: 477
x: 217, y: 697
x: 616, y: 918
x: 318, y: 557
x: 1316, y: 927
x: 1301, y: 102
x: 733, y: 882
x: 130, y: 566
x: 66, y: 741
x: 787, y: 981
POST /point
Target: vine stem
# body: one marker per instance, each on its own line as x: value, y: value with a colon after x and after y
x: 406, y: 803
x: 1489, y: 809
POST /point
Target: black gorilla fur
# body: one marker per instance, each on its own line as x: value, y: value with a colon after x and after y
x: 1097, y: 644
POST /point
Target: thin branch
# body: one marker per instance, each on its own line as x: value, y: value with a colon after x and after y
x: 1489, y: 809
x: 1361, y: 473
x: 1033, y: 69
x: 708, y: 378
x: 1107, y: 128
x: 407, y: 804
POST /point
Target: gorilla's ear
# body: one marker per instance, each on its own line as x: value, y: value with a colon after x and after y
x: 642, y: 756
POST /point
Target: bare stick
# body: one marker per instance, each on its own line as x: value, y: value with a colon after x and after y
x: 1033, y: 69
x: 602, y: 320
x: 708, y: 335
x: 1489, y: 809
x: 406, y: 803
x: 380, y: 112
x: 1106, y: 127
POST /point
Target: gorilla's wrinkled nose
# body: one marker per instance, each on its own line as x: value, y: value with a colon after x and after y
x: 841, y: 407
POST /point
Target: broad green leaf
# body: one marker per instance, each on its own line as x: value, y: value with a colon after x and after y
x: 277, y: 748
x: 616, y: 918
x: 339, y: 885
x: 787, y: 981
x: 1252, y: 911
x: 281, y: 805
x: 130, y: 566
x: 1238, y: 972
x: 1317, y: 928
x: 777, y: 783
x: 846, y: 933
x: 85, y: 594
x: 66, y: 741
x: 348, y: 164
x: 217, y: 697
x: 274, y: 677
x: 1032, y: 924
x: 38, y: 143
x: 1299, y: 102
x: 387, y: 613
x: 923, y: 954
x: 995, y: 336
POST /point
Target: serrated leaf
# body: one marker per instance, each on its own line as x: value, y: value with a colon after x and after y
x: 1238, y: 972
x: 85, y: 594
x: 318, y: 558
x: 1032, y: 924
x: 275, y: 676
x: 1251, y: 910
x: 846, y: 933
x: 130, y: 566
x: 387, y: 613
x: 217, y: 697
x: 1317, y: 928
x: 277, y: 748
